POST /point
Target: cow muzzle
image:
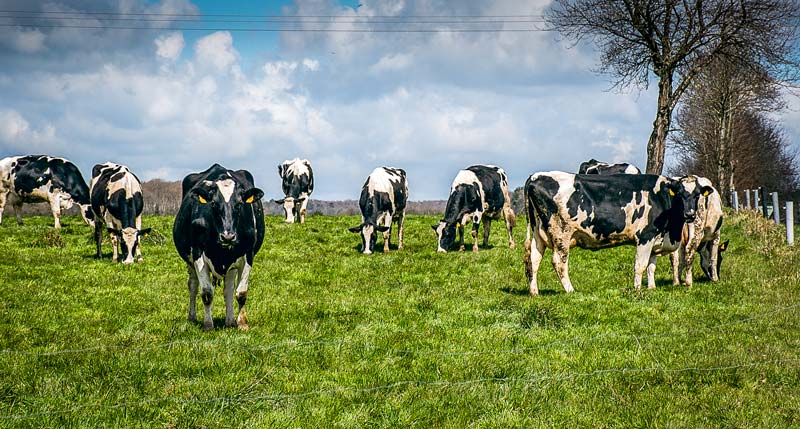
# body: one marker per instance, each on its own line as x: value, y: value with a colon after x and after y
x: 689, y: 216
x: 227, y: 239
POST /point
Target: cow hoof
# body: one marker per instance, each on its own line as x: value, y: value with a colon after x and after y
x: 140, y: 259
x: 512, y: 245
x: 230, y: 324
x: 244, y: 327
x: 208, y: 326
x: 192, y: 318
x: 461, y: 248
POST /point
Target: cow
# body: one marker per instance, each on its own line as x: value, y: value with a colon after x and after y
x: 478, y: 193
x: 594, y: 166
x: 383, y: 200
x: 218, y: 230
x: 598, y: 211
x: 701, y: 236
x: 298, y: 184
x: 42, y: 178
x: 117, y: 203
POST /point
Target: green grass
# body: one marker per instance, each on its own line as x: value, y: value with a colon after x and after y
x: 409, y: 339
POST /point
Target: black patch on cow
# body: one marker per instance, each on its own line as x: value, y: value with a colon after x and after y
x: 594, y: 166
x: 198, y: 226
x: 491, y: 180
x: 124, y: 208
x: 373, y: 204
x: 29, y: 174
x: 295, y: 185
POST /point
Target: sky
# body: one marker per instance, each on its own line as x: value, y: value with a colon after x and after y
x: 166, y: 100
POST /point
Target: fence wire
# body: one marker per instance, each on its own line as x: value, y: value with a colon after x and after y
x: 544, y: 377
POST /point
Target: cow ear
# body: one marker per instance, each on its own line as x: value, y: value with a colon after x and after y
x: 300, y: 200
x: 201, y: 194
x: 356, y: 229
x: 435, y: 227
x: 707, y: 190
x: 113, y: 231
x: 280, y: 201
x: 144, y: 232
x: 672, y: 187
x: 251, y: 195
x: 382, y: 228
x: 724, y: 246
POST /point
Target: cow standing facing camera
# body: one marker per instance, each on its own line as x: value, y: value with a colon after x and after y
x: 297, y: 181
x: 478, y: 194
x: 383, y: 200
x: 117, y: 203
x: 218, y: 230
x: 40, y: 178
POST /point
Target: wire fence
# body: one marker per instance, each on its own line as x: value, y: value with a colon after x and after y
x: 538, y: 378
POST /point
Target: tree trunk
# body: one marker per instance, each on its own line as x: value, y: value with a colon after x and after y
x: 657, y: 144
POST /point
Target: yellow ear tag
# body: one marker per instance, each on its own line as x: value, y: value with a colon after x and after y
x: 458, y: 225
x: 201, y: 199
x: 671, y: 193
x: 249, y: 200
x: 705, y: 193
x: 723, y: 246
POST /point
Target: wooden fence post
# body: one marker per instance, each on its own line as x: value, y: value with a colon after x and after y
x: 776, y: 212
x: 790, y: 223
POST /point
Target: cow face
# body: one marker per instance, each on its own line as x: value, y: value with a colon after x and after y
x: 446, y: 235
x: 685, y: 194
x: 290, y: 207
x: 128, y: 241
x: 224, y: 201
x: 369, y: 235
x: 705, y: 258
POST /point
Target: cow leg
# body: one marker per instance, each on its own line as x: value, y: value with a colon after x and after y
x: 98, y: 238
x: 476, y: 223
x: 561, y: 263
x: 139, y: 247
x: 241, y: 296
x: 55, y: 208
x: 387, y: 235
x: 461, y: 237
x: 511, y: 221
x: 206, y: 291
x: 17, y: 204
x: 651, y: 272
x: 688, y: 260
x: 643, y: 252
x: 400, y: 222
x: 303, y: 211
x: 114, y: 247
x: 714, y: 257
x: 3, y: 195
x: 533, y: 253
x: 673, y: 260
x: 231, y: 278
x: 487, y: 227
x: 194, y: 283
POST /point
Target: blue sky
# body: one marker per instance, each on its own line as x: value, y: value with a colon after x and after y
x: 167, y: 102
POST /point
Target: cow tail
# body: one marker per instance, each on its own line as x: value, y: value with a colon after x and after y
x: 528, y: 236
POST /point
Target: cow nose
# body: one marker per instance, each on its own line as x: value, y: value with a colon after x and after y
x: 689, y: 215
x: 227, y: 237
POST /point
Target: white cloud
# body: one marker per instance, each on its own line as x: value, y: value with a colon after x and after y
x: 169, y: 46
x: 216, y: 50
x: 391, y: 62
x: 16, y: 132
x: 28, y: 41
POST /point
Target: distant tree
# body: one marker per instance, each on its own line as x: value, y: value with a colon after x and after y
x: 675, y: 40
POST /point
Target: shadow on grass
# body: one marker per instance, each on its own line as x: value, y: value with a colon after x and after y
x: 525, y: 292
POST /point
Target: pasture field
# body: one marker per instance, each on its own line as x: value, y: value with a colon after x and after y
x: 409, y: 339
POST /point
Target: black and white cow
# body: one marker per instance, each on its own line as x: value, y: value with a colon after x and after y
x: 594, y: 166
x: 478, y: 193
x: 117, y: 203
x: 383, y: 200
x: 218, y: 230
x: 40, y: 178
x: 598, y: 211
x: 298, y: 184
x: 701, y: 236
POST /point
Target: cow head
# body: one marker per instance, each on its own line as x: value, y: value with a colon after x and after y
x: 291, y: 207
x: 128, y: 241
x: 369, y: 235
x: 720, y: 249
x: 223, y: 203
x: 445, y: 234
x: 685, y: 194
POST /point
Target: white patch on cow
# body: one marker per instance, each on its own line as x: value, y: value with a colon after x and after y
x: 632, y: 226
x: 366, y: 232
x: 439, y: 230
x: 127, y: 182
x: 226, y: 187
x: 630, y: 169
x: 466, y: 177
x: 296, y: 166
x: 130, y: 236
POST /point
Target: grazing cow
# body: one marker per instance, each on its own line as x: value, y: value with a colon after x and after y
x: 701, y: 236
x: 383, y: 200
x: 116, y: 196
x: 298, y: 184
x: 596, y: 211
x: 478, y: 193
x: 218, y: 230
x: 40, y: 178
x: 594, y: 166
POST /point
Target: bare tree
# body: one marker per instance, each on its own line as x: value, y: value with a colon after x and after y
x: 675, y: 40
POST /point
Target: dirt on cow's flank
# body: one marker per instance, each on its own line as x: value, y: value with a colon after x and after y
x: 409, y: 339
